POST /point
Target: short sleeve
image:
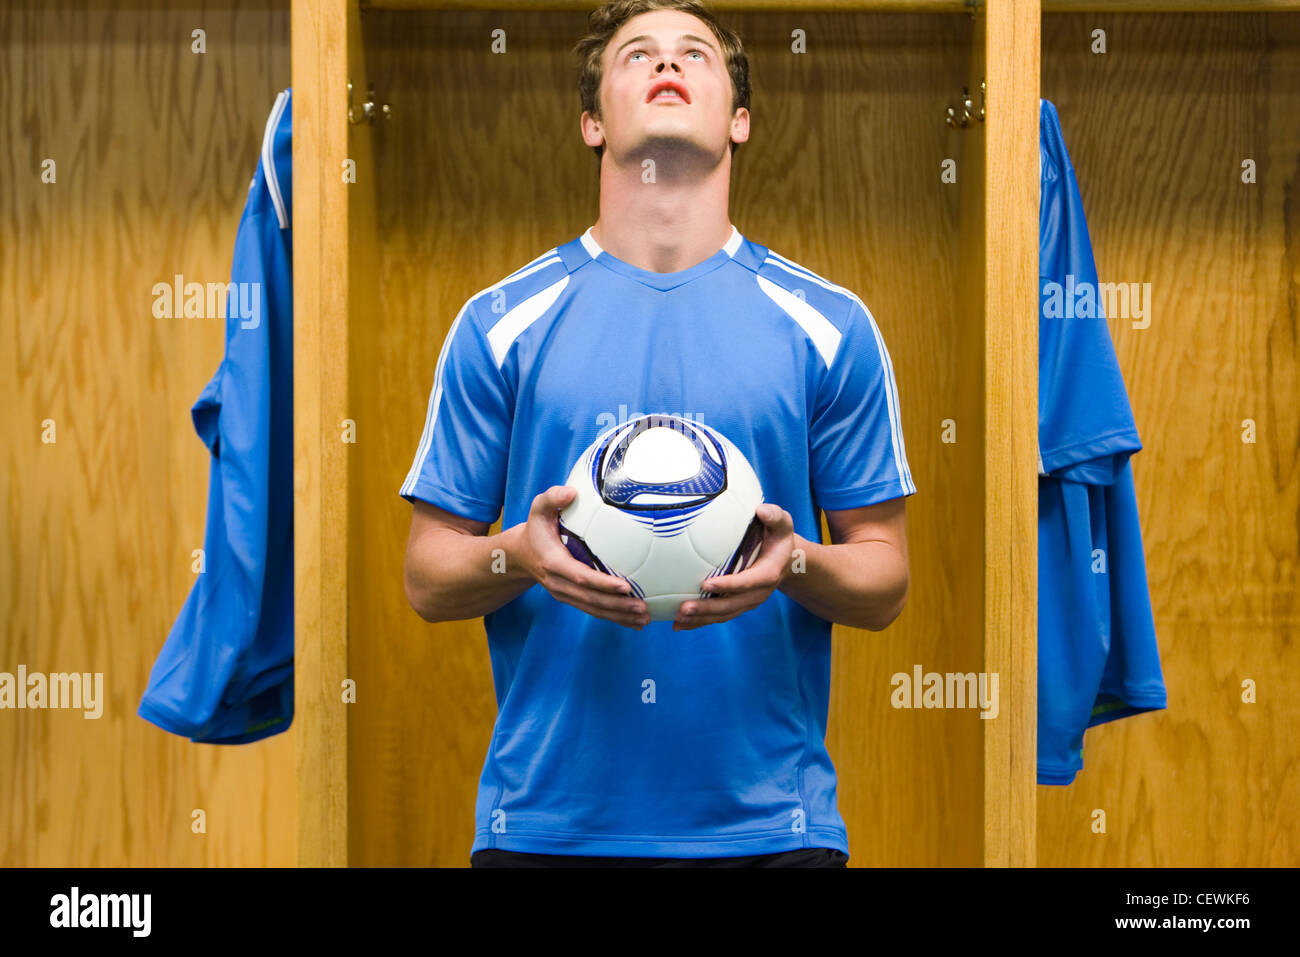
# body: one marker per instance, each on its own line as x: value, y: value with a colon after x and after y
x: 856, y: 451
x: 460, y: 463
x: 206, y: 412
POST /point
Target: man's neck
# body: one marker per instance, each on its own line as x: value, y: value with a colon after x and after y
x: 664, y: 226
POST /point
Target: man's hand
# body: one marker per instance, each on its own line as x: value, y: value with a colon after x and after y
x: 547, y: 560
x: 738, y: 593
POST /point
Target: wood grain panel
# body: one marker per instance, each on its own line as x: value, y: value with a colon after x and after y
x: 322, y: 300
x: 480, y: 171
x: 154, y: 147
x: 1009, y: 320
x: 1157, y: 130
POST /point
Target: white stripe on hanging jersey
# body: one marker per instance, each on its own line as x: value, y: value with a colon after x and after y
x: 268, y: 157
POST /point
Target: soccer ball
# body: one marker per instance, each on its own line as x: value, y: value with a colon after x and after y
x: 664, y: 503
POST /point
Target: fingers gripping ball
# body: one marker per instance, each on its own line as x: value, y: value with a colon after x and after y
x: 664, y: 503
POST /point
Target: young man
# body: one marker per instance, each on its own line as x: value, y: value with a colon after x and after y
x: 702, y: 743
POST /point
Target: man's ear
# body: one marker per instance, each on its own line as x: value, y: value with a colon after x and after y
x: 592, y: 133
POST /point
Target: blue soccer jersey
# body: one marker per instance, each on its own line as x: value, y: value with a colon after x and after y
x: 654, y: 743
x: 1097, y: 653
x: 225, y: 673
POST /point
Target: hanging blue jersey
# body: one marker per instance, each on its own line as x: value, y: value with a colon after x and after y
x: 225, y: 673
x: 1097, y: 653
x: 654, y: 743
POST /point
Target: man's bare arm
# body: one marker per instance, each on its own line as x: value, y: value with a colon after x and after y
x: 455, y: 570
x: 860, y: 580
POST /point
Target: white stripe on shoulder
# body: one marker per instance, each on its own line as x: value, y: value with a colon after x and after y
x: 536, y: 265
x: 268, y: 157
x: 793, y: 266
x: 519, y: 319
x: 435, y: 397
x: 824, y: 335
x: 891, y: 392
x: 546, y: 255
x: 800, y: 272
x: 540, y: 262
x: 513, y: 324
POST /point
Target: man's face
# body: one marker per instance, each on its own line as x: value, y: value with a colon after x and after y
x: 694, y: 115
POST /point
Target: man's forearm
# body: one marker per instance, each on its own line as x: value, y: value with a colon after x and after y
x: 454, y: 576
x: 859, y: 584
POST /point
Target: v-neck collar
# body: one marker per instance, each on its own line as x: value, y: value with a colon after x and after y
x: 662, y: 280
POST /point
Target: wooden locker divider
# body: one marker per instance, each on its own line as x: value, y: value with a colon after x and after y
x: 1009, y: 284
x: 322, y: 34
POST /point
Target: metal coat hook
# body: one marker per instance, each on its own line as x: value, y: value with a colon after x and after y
x: 966, y: 105
x: 370, y: 110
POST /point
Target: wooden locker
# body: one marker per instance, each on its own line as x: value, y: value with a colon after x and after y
x: 132, y: 131
x: 1164, y: 129
x: 477, y: 172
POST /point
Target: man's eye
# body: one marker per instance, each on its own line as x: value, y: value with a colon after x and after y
x: 635, y: 52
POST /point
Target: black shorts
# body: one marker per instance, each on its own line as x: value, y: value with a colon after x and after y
x: 804, y: 857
